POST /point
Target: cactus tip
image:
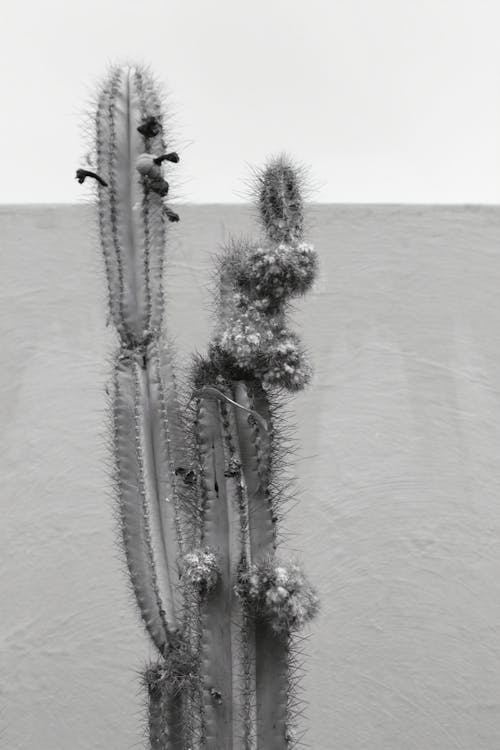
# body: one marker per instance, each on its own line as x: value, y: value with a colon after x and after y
x: 279, y: 197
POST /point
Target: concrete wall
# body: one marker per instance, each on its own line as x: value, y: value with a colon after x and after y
x: 398, y: 477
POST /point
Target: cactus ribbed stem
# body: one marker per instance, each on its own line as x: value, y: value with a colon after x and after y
x: 261, y: 526
x: 242, y: 666
x: 134, y: 516
x: 217, y: 638
x: 176, y: 453
x: 148, y: 435
x: 162, y: 505
x: 271, y: 653
x: 131, y: 216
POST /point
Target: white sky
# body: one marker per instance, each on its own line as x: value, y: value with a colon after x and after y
x: 385, y: 100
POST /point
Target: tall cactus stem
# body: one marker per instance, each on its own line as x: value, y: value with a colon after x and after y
x: 261, y: 525
x: 170, y: 503
x: 271, y: 654
x: 175, y: 426
x: 216, y: 612
x: 131, y: 215
x: 133, y: 507
x: 159, y: 491
x: 244, y: 658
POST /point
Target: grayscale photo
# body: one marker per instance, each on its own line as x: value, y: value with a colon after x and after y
x: 250, y: 381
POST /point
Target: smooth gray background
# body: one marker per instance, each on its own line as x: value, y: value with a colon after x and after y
x: 397, y: 472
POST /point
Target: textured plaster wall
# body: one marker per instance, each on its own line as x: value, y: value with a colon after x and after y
x: 398, y: 469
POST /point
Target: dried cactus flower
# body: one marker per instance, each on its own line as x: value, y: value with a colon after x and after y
x: 279, y: 592
x: 200, y: 569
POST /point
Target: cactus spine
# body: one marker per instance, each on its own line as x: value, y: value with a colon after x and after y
x: 198, y: 487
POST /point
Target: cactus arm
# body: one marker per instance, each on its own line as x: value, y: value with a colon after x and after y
x: 261, y: 526
x: 174, y: 429
x: 216, y: 656
x: 131, y: 215
x: 236, y: 617
x: 104, y: 124
x: 244, y: 638
x: 132, y: 239
x: 159, y: 492
x: 132, y: 505
x: 271, y: 653
x: 129, y: 203
x: 149, y: 443
x: 125, y: 201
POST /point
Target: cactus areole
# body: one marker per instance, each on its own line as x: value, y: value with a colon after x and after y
x: 198, y: 482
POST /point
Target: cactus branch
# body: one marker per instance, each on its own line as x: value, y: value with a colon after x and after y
x: 216, y: 614
x: 133, y: 507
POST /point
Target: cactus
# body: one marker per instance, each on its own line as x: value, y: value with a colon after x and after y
x: 198, y: 468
